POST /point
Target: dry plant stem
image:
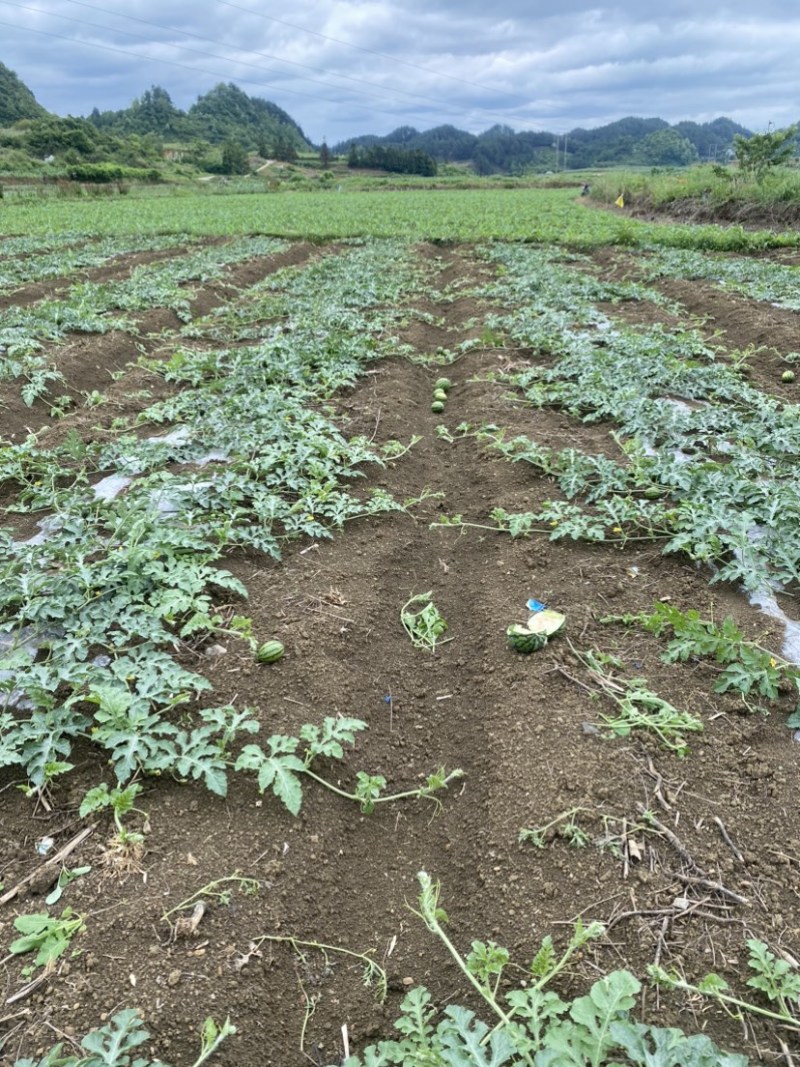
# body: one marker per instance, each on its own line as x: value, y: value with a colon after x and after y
x: 673, y: 839
x: 787, y: 1054
x: 662, y: 939
x: 727, y: 839
x: 26, y: 991
x: 321, y: 947
x: 699, y: 877
x: 717, y: 887
x: 657, y: 792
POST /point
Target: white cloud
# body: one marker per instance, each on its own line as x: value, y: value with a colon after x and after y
x: 530, y: 64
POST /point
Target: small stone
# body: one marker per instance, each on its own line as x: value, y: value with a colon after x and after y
x: 173, y: 978
x: 408, y: 982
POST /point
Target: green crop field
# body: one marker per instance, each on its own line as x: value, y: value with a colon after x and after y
x: 398, y: 621
x: 538, y: 215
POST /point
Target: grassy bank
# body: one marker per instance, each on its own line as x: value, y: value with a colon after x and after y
x: 708, y: 193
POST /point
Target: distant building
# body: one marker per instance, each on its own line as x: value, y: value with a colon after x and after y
x: 175, y: 153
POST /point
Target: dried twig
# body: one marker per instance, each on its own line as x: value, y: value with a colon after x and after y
x: 727, y: 839
x: 31, y: 986
x: 657, y: 793
x: 669, y: 913
x: 662, y: 939
x: 717, y: 887
x: 53, y: 862
x: 672, y: 837
x: 626, y: 865
x: 786, y: 1053
x: 576, y: 681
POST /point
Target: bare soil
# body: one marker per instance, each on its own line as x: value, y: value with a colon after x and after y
x: 524, y: 729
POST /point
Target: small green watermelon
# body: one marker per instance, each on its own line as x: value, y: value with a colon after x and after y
x: 270, y: 652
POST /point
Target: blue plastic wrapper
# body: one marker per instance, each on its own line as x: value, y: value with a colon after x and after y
x: 535, y: 605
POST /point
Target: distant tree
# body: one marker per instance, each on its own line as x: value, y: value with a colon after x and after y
x: 51, y: 135
x: 446, y: 143
x: 665, y: 148
x: 284, y: 147
x: 234, y: 158
x: 403, y: 135
x: 392, y: 158
x: 757, y: 154
x: 325, y: 155
x: 155, y: 113
x: 711, y: 139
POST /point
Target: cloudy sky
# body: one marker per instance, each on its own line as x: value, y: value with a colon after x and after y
x: 367, y: 66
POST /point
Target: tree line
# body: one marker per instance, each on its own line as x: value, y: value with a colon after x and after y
x: 392, y: 158
x: 500, y: 149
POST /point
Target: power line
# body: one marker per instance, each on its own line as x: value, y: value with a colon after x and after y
x: 358, y: 48
x: 135, y: 55
x: 148, y: 40
x: 250, y: 51
x: 184, y: 66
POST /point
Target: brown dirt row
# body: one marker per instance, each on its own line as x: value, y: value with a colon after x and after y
x: 117, y: 268
x: 523, y: 728
x: 93, y: 362
x: 728, y: 319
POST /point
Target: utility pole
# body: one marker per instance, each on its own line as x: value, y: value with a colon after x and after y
x: 565, y: 151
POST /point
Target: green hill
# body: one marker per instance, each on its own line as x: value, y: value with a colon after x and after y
x: 16, y: 100
x: 500, y: 149
x: 227, y: 117
x: 225, y: 113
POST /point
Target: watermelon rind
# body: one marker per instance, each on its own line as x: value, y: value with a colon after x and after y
x: 521, y: 639
x: 547, y: 622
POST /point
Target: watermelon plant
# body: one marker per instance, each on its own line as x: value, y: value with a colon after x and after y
x: 124, y: 575
x: 422, y: 622
x: 530, y: 1024
x: 113, y: 1044
x: 706, y: 461
x: 287, y: 758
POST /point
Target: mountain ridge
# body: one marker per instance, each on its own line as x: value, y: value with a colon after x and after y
x: 225, y: 113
